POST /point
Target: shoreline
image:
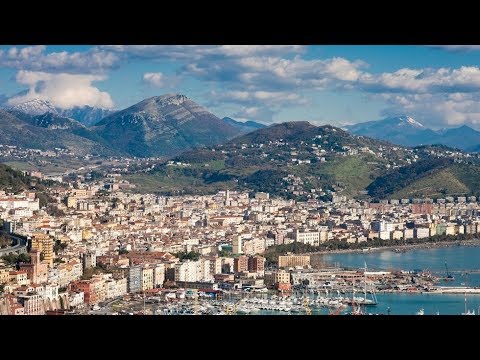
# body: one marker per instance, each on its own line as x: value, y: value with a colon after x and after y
x: 402, y: 248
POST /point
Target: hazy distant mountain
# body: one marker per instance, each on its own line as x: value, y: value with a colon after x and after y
x: 463, y: 137
x: 404, y: 130
x: 401, y: 130
x: 162, y: 126
x: 244, y: 127
x: 86, y: 115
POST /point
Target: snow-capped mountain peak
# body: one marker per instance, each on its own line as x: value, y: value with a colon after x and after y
x: 35, y: 107
x: 87, y: 115
x: 411, y: 121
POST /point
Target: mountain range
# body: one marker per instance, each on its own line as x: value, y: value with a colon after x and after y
x: 406, y: 131
x: 293, y: 159
x: 244, y: 127
x: 49, y: 131
x: 87, y: 115
x: 159, y: 126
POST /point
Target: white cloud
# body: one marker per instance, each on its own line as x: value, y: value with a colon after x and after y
x: 457, y: 48
x: 274, y: 73
x: 62, y: 90
x: 257, y: 113
x: 463, y: 79
x: 196, y: 52
x: 259, y: 79
x: 155, y: 79
x: 268, y: 97
x: 35, y: 58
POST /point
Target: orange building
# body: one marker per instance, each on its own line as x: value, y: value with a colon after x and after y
x: 240, y: 264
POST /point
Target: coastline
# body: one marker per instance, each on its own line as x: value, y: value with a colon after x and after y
x: 403, y: 248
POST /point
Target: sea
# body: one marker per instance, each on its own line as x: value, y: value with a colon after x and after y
x: 459, y: 261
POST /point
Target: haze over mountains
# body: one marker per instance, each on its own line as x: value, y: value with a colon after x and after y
x: 406, y: 131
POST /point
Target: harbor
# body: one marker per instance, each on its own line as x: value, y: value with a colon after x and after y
x: 430, y: 283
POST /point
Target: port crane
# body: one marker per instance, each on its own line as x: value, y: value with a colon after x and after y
x: 449, y: 276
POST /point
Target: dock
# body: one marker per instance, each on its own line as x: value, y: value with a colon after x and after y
x: 456, y: 290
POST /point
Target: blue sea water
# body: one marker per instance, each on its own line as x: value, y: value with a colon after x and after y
x: 410, y: 304
x: 459, y: 259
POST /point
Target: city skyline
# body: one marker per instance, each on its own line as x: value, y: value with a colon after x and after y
x: 336, y: 84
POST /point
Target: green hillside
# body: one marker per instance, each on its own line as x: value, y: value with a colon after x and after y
x: 299, y: 160
x: 12, y: 180
x: 455, y: 180
x: 442, y: 183
x: 291, y: 159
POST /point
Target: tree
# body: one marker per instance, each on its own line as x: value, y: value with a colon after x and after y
x: 192, y: 255
x: 12, y: 259
x: 225, y: 253
x: 59, y: 246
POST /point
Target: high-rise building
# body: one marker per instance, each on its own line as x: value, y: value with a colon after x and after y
x: 186, y: 271
x: 147, y: 278
x: 256, y: 264
x: 44, y: 244
x: 158, y: 275
x: 240, y: 264
x: 134, y: 279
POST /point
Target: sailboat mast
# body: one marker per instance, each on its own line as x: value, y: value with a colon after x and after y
x: 353, y: 296
x: 465, y: 292
x: 365, y: 280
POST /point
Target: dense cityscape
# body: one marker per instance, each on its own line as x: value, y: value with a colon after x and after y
x: 239, y: 180
x: 101, y: 245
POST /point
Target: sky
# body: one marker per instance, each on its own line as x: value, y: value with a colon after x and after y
x: 439, y: 86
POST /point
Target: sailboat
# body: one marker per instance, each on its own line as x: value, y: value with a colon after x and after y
x: 364, y: 301
x: 467, y: 312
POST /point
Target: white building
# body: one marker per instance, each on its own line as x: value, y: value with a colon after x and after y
x: 158, y: 275
x: 186, y: 271
x: 307, y: 237
x: 421, y: 233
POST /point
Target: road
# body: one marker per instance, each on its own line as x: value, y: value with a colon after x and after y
x: 18, y: 248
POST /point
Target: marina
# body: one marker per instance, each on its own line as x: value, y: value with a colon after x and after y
x: 378, y: 290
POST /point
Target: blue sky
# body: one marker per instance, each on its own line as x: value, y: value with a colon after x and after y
x: 438, y: 86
